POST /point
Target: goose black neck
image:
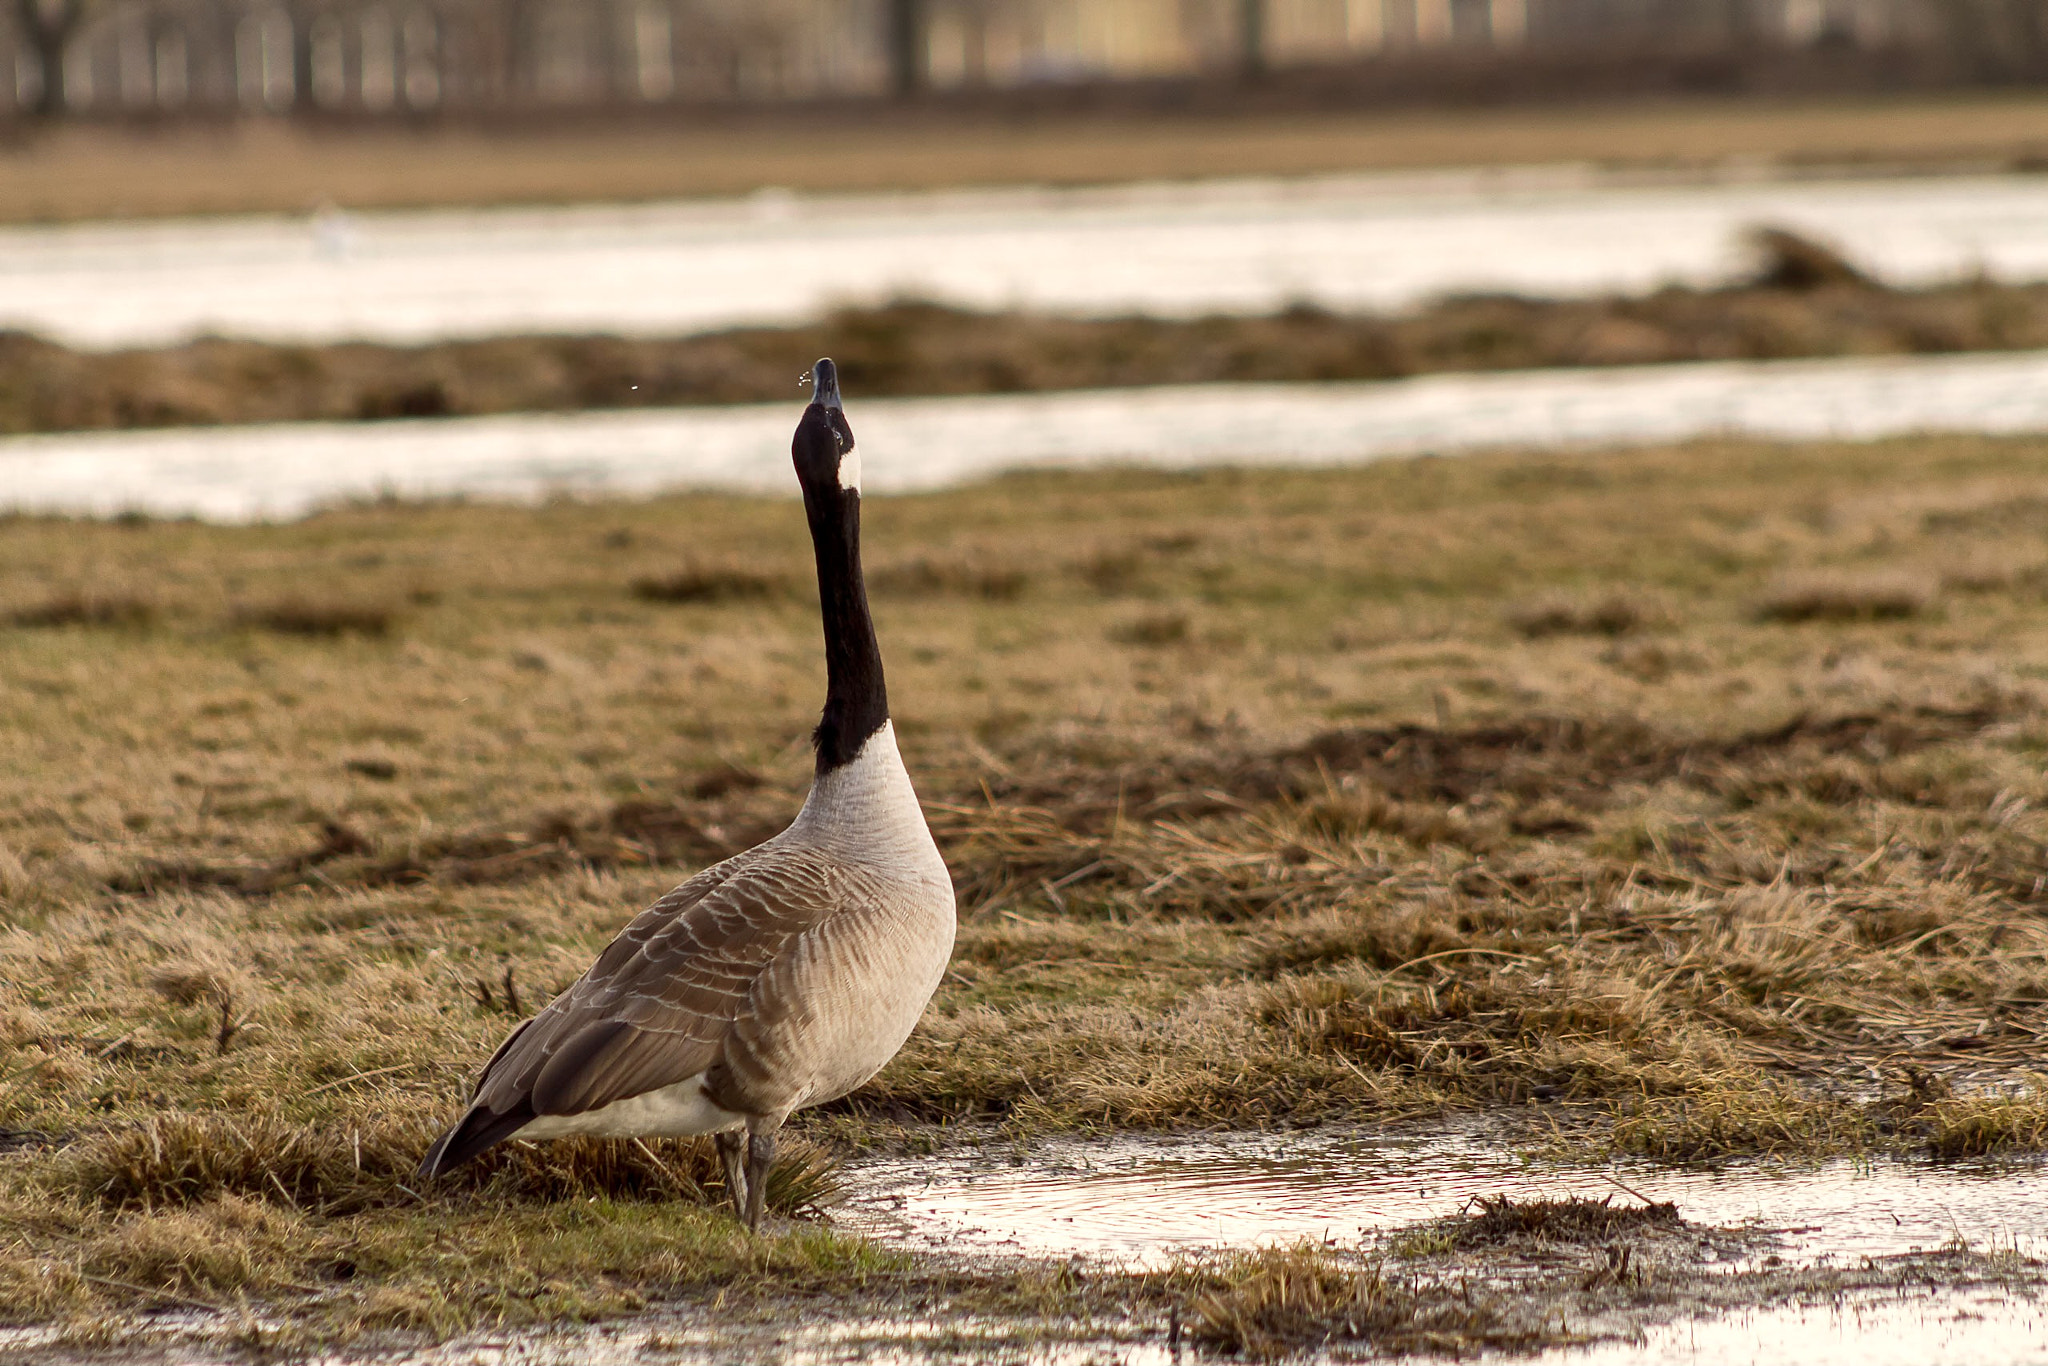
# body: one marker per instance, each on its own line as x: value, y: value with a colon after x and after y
x: 856, y: 699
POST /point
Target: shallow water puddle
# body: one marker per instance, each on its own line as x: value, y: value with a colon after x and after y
x: 1822, y: 1278
x: 1935, y: 1328
x: 1142, y: 1202
x: 1930, y: 1328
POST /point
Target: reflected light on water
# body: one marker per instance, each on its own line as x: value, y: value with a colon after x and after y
x: 244, y: 473
x: 1347, y: 242
x: 1143, y: 1203
x: 1922, y: 1328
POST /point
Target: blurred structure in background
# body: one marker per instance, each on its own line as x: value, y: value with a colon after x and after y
x: 397, y: 58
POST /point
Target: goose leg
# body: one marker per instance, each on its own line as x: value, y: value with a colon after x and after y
x: 760, y: 1157
x: 729, y: 1145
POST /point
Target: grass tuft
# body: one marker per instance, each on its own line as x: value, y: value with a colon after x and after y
x: 1154, y: 629
x: 317, y: 617
x: 1790, y: 260
x: 85, y: 609
x: 926, y: 576
x: 1727, y: 1123
x: 1611, y: 614
x: 1493, y: 1220
x: 1281, y: 1300
x: 711, y: 584
x: 338, y: 1168
x: 1975, y: 1127
x: 1276, y: 1302
x: 1845, y: 596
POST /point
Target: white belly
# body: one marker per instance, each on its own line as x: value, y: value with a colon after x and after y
x: 671, y: 1112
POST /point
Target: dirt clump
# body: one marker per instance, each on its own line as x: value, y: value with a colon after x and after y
x: 1493, y: 1220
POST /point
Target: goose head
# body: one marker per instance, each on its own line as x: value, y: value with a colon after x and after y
x: 827, y: 464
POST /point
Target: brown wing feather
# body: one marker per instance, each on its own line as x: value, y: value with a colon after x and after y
x: 657, y: 1006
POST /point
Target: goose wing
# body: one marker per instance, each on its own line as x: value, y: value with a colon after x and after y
x: 657, y: 1006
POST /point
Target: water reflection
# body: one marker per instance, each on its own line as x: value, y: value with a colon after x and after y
x: 233, y: 474
x: 1143, y: 1201
x: 1139, y: 1202
x: 1919, y: 1328
x: 1924, y: 1328
x: 1372, y: 241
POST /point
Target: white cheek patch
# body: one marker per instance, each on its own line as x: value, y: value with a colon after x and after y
x: 849, y: 470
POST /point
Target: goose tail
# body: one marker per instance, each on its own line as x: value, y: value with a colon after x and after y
x: 481, y: 1128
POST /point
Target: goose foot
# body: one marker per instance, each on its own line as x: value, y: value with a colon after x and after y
x: 760, y: 1157
x: 730, y: 1145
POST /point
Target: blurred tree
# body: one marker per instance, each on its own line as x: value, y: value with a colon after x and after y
x: 1740, y: 22
x: 305, y: 16
x: 504, y: 38
x: 49, y: 26
x: 1996, y: 40
x: 1251, y: 38
x: 908, y: 55
x: 751, y: 48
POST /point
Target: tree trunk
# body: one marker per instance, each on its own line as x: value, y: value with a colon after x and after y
x: 2029, y: 29
x: 1972, y: 39
x: 907, y: 56
x: 302, y: 19
x: 1251, y: 38
x: 48, y: 28
x: 1738, y: 23
x: 611, y: 51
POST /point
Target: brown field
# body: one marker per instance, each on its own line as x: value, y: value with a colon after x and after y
x: 1685, y: 803
x: 1803, y: 301
x: 101, y: 172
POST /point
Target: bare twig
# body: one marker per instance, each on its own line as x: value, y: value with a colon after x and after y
x: 229, y: 1026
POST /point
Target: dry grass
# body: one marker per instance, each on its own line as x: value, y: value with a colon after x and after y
x: 1610, y: 614
x: 1791, y: 260
x: 1340, y: 843
x: 710, y: 584
x: 1277, y: 1302
x: 299, y: 616
x: 175, y: 1160
x: 75, y: 608
x: 1847, y: 596
x: 1797, y: 305
x: 263, y: 165
x: 1491, y: 1220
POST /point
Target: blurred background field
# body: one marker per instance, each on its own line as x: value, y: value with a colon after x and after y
x: 153, y: 107
x: 269, y: 166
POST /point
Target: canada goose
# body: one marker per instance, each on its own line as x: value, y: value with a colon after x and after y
x: 783, y: 977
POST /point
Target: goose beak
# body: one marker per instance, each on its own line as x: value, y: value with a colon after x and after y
x: 825, y: 385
